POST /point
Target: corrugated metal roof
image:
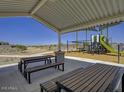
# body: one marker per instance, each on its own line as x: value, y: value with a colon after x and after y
x: 68, y: 15
x: 17, y: 5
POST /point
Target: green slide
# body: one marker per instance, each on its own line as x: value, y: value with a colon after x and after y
x: 108, y: 47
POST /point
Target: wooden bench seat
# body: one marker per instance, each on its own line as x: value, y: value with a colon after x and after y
x: 28, y: 71
x: 51, y: 86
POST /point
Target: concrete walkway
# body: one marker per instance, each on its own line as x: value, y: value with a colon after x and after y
x: 94, y: 61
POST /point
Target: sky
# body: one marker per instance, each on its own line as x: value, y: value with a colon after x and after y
x: 27, y: 31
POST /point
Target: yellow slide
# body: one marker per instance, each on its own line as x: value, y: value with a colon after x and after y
x: 105, y: 45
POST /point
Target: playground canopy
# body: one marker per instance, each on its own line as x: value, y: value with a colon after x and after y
x: 65, y: 16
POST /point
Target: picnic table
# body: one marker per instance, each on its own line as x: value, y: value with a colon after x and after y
x: 25, y: 61
x: 92, y: 79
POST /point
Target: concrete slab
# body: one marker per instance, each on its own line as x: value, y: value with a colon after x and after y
x: 12, y: 80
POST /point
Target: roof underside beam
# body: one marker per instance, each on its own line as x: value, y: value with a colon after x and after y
x: 103, y: 21
x: 35, y: 9
x: 13, y: 14
x: 46, y: 23
x: 38, y: 6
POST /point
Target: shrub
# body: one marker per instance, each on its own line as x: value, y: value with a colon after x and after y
x: 21, y: 47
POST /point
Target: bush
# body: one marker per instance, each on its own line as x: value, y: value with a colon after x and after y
x: 21, y: 47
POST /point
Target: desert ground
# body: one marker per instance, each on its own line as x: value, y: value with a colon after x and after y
x: 103, y: 57
x: 6, y: 52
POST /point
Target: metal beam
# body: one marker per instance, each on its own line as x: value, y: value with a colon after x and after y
x: 13, y: 14
x: 76, y: 39
x: 38, y: 6
x: 103, y: 21
x: 46, y: 23
x: 59, y: 41
x: 86, y: 35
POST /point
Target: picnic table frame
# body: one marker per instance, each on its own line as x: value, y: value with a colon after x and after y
x: 25, y: 61
x: 92, y: 79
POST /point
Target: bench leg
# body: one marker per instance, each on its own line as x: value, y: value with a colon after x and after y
x: 41, y: 88
x: 20, y: 66
x: 25, y: 66
x: 25, y: 75
x: 62, y: 67
x: 58, y: 89
x: 58, y: 67
x: 50, y: 60
x: 29, y: 78
x: 45, y: 62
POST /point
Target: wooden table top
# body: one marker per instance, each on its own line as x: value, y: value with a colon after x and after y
x: 94, y: 78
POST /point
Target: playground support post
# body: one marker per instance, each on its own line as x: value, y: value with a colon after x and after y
x: 67, y: 46
x: 86, y: 35
x: 100, y: 30
x: 107, y: 34
x: 76, y: 39
x: 118, y: 53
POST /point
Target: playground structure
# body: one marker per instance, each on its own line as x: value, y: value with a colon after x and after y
x: 78, y: 45
x: 98, y: 43
x: 74, y: 45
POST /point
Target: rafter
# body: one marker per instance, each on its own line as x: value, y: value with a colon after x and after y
x: 38, y: 6
x: 46, y: 23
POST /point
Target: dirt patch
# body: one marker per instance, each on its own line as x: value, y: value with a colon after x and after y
x: 7, y: 60
x: 102, y: 57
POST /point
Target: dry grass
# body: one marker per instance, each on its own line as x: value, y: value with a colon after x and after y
x: 29, y: 51
x: 7, y: 60
x: 33, y: 50
x: 96, y: 56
